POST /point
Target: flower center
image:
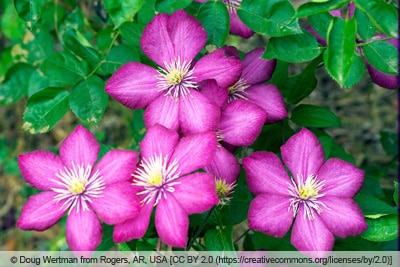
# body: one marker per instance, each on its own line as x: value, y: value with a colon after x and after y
x: 306, y: 193
x: 78, y: 185
x: 223, y: 190
x: 238, y: 90
x: 176, y: 79
x: 157, y: 177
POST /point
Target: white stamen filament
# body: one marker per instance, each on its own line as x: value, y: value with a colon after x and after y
x: 157, y: 176
x: 78, y: 186
x: 177, y: 79
x: 306, y: 193
x: 238, y: 90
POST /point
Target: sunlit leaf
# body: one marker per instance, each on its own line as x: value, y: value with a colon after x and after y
x: 88, y: 100
x: 44, y: 109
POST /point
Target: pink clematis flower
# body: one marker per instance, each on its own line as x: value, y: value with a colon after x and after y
x: 250, y: 86
x: 241, y: 123
x: 318, y: 197
x: 165, y: 179
x: 170, y: 92
x: 72, y: 183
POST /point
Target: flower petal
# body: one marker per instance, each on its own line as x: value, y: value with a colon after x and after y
x: 156, y: 42
x: 341, y: 178
x: 217, y: 94
x: 196, y: 192
x: 237, y: 26
x: 39, y: 169
x: 80, y: 147
x: 164, y: 110
x: 195, y: 151
x: 223, y: 65
x: 187, y: 35
x: 117, y: 166
x: 311, y: 235
x: 343, y: 216
x: 269, y: 214
x: 269, y: 98
x: 40, y: 212
x: 197, y: 113
x: 83, y: 231
x: 241, y: 122
x: 256, y: 69
x: 134, y: 228
x: 121, y: 193
x: 134, y: 85
x: 158, y: 141
x: 266, y: 174
x: 303, y: 154
x: 172, y: 222
x: 224, y: 166
x: 382, y: 79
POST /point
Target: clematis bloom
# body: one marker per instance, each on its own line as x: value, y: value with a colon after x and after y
x: 166, y: 178
x: 250, y: 86
x: 318, y: 197
x: 170, y: 93
x: 73, y: 184
x: 240, y: 124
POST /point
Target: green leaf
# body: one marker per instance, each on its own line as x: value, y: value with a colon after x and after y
x: 122, y: 11
x: 320, y: 23
x: 373, y: 207
x: 383, y: 229
x: 88, y: 100
x: 39, y: 45
x: 338, y: 57
x: 314, y: 116
x: 29, y: 10
x: 214, y: 17
x: 37, y: 83
x: 382, y: 56
x: 298, y: 86
x: 63, y: 69
x: 293, y: 48
x: 365, y: 28
x: 16, y: 83
x: 44, y: 109
x: 273, y: 17
x: 118, y: 56
x: 312, y: 8
x: 147, y: 12
x: 77, y: 43
x: 107, y: 241
x: 11, y: 25
x: 396, y: 193
x: 131, y: 33
x: 170, y: 6
x: 357, y: 70
x: 383, y: 15
x: 390, y: 142
x: 219, y: 239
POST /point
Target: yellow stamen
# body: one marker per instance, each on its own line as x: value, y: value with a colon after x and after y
x: 77, y: 186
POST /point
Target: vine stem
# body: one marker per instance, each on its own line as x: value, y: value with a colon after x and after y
x: 201, y: 227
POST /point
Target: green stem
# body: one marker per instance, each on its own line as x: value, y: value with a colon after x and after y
x: 201, y: 227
